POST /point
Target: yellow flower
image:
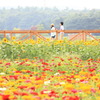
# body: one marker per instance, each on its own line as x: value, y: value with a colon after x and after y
x: 48, y: 39
x: 80, y: 47
x: 98, y: 98
x: 13, y: 38
x: 38, y: 41
x: 77, y: 76
x: 23, y: 70
x: 45, y: 95
x: 1, y: 85
x: 98, y: 84
x: 75, y: 64
x: 60, y: 41
x: 28, y: 98
x: 20, y: 80
x: 5, y: 40
x: 56, y: 43
x: 82, y: 66
x: 82, y: 73
x: 1, y: 80
x: 11, y: 97
x: 85, y: 88
x: 34, y: 64
x: 1, y: 98
x: 19, y: 42
x: 0, y: 42
x: 32, y: 41
x: 7, y: 92
x: 68, y: 86
x: 10, y: 83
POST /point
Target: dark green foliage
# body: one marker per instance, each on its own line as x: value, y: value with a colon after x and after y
x: 25, y: 18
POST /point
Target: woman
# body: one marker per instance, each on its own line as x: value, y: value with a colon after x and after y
x: 53, y: 34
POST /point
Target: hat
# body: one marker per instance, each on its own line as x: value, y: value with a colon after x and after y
x: 52, y: 24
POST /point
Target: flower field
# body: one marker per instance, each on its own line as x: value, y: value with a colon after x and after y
x: 51, y: 70
x: 30, y: 49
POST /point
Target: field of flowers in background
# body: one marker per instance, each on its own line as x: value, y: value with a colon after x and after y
x: 44, y: 49
x: 49, y: 70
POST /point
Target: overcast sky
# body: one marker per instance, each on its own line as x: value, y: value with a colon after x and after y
x: 75, y: 4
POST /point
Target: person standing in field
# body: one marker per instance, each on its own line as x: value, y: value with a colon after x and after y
x: 53, y: 34
x: 61, y: 28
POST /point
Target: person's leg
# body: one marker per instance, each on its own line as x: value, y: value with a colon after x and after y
x: 51, y: 38
x: 61, y: 36
x: 54, y: 38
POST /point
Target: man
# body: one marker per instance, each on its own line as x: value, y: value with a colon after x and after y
x: 61, y: 28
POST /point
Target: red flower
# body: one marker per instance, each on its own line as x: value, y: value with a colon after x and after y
x: 70, y: 98
x: 65, y: 98
x: 38, y: 78
x: 5, y: 97
x: 41, y: 60
x: 59, y: 64
x: 19, y: 93
x: 13, y: 77
x: 8, y: 64
x: 22, y: 94
x: 61, y: 59
x: 34, y: 93
x: 72, y: 76
x: 16, y: 93
x: 22, y: 87
x: 89, y: 63
x: 61, y: 72
x: 91, y: 69
x: 74, y: 91
x: 28, y: 71
x: 0, y: 62
x: 69, y: 80
x: 82, y: 80
x: 46, y: 69
x: 53, y: 94
x: 74, y: 98
x: 93, y: 90
x: 28, y: 81
x: 43, y: 91
x: 44, y: 63
x: 90, y: 59
x: 17, y: 71
x: 32, y: 88
x: 70, y: 59
x: 21, y: 63
x: 56, y: 57
x: 28, y: 64
x: 65, y: 92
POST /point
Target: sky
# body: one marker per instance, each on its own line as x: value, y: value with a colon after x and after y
x: 61, y: 4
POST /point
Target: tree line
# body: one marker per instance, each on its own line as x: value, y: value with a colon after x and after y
x: 40, y: 18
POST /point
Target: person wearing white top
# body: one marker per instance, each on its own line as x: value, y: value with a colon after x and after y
x: 53, y: 34
x: 61, y: 28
